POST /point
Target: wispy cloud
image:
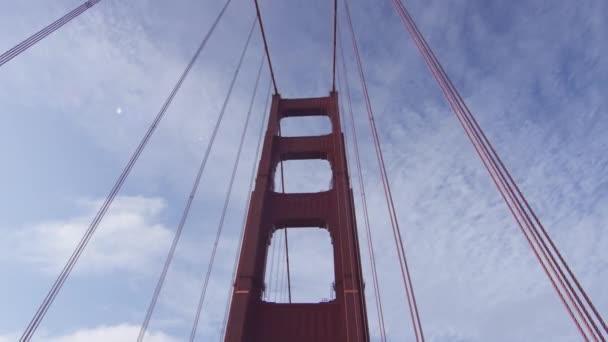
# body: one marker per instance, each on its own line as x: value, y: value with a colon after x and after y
x: 533, y: 73
x: 118, y: 333
x: 130, y: 239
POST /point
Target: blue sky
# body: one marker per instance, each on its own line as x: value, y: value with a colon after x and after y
x: 531, y: 71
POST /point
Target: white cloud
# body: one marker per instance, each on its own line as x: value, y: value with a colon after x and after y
x: 105, y: 333
x: 129, y: 238
x: 7, y: 338
x: 474, y: 275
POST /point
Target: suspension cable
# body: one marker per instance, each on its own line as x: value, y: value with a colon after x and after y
x: 287, y: 265
x: 246, y: 212
x: 411, y: 298
x: 272, y: 256
x: 285, y: 228
x: 352, y: 218
x: 341, y: 185
x: 257, y: 11
x: 283, y: 294
x: 38, y: 36
x: 220, y: 226
x: 509, y: 189
x: 517, y: 201
x: 333, y: 87
x: 370, y: 245
x: 186, y: 211
x: 278, y: 294
x: 67, y: 269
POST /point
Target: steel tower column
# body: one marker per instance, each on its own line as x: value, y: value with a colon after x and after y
x: 252, y: 319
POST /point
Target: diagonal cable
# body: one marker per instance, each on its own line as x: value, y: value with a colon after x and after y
x: 226, y: 202
x: 370, y: 244
x: 405, y: 272
x: 67, y: 269
x: 186, y: 211
x: 38, y: 36
x: 515, y: 200
x: 259, y: 16
x: 333, y: 86
x: 246, y: 211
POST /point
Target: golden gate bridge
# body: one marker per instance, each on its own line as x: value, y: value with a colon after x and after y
x: 249, y: 314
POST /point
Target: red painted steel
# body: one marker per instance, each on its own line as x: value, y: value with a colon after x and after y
x: 341, y: 319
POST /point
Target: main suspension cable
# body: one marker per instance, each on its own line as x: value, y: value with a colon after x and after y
x: 370, y: 245
x: 257, y: 11
x: 333, y: 87
x: 38, y: 36
x: 186, y: 211
x: 509, y: 190
x: 67, y: 269
x: 220, y: 226
x: 246, y: 212
x: 411, y: 298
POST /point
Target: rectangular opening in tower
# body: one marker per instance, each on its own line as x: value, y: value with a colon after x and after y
x: 311, y: 266
x: 304, y: 176
x: 305, y: 126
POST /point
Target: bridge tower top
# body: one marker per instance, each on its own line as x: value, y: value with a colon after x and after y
x: 251, y: 318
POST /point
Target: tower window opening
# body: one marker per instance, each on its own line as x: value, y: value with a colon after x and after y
x: 305, y: 126
x: 311, y: 266
x: 304, y: 176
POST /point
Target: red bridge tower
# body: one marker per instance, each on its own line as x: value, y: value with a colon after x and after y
x: 251, y: 319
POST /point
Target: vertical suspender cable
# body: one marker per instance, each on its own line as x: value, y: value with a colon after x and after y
x: 279, y: 274
x: 271, y: 272
x: 287, y: 265
x: 270, y: 257
x: 333, y: 86
x: 67, y: 269
x: 186, y: 211
x: 370, y: 243
x: 38, y: 36
x: 351, y: 288
x: 246, y: 212
x: 284, y: 290
x: 283, y: 294
x: 352, y: 204
x: 411, y: 298
x: 343, y: 241
x: 285, y: 228
x: 257, y: 11
x: 228, y: 195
